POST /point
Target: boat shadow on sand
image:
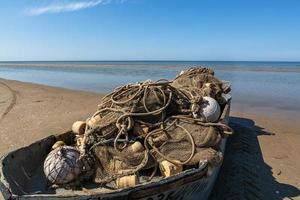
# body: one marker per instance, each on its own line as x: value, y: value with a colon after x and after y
x: 244, y: 174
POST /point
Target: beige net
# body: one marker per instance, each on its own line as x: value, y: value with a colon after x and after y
x: 165, y: 109
x: 186, y: 141
x: 112, y: 164
x: 199, y: 82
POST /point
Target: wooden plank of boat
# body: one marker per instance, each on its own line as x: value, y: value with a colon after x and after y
x: 22, y: 177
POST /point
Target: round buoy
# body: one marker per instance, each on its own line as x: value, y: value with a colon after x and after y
x: 62, y: 165
x: 136, y: 147
x: 168, y: 169
x: 78, y: 127
x: 127, y: 181
x: 58, y: 144
x: 210, y: 109
x: 94, y: 121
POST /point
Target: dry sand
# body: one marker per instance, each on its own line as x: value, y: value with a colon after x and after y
x: 29, y: 112
x: 39, y: 111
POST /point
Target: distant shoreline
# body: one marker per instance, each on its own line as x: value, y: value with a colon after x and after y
x: 257, y: 61
x: 216, y: 65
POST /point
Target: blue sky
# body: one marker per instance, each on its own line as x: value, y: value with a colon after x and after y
x: 150, y: 30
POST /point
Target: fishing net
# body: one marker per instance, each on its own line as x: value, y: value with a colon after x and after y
x: 186, y: 141
x: 199, y: 82
x: 112, y: 164
x: 158, y: 116
x: 195, y: 77
x: 146, y: 99
x: 103, y: 124
x: 145, y: 103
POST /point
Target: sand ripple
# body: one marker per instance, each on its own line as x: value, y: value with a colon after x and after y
x: 7, y: 99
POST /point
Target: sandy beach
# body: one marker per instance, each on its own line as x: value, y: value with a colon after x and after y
x: 59, y: 58
x: 29, y: 112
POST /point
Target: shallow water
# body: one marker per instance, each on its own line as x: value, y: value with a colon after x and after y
x: 269, y: 84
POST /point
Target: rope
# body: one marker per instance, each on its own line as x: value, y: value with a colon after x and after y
x: 226, y: 129
x: 186, y: 119
x: 165, y: 157
x: 141, y: 92
x: 130, y: 101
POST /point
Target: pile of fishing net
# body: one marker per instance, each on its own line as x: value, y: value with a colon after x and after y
x: 146, y: 130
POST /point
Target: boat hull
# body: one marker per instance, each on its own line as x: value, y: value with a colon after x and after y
x: 22, y: 177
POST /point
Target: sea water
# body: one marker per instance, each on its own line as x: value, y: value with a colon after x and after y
x: 273, y: 84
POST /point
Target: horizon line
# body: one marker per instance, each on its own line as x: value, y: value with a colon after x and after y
x: 154, y: 60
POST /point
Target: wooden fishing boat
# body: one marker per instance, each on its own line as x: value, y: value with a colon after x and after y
x: 22, y: 177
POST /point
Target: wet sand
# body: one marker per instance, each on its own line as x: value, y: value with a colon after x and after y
x: 29, y: 112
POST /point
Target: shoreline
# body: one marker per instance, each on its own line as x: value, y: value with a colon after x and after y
x: 40, y: 110
x: 46, y: 64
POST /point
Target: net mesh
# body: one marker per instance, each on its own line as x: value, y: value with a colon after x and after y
x: 199, y: 82
x: 176, y: 142
x: 172, y: 132
x: 62, y: 165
